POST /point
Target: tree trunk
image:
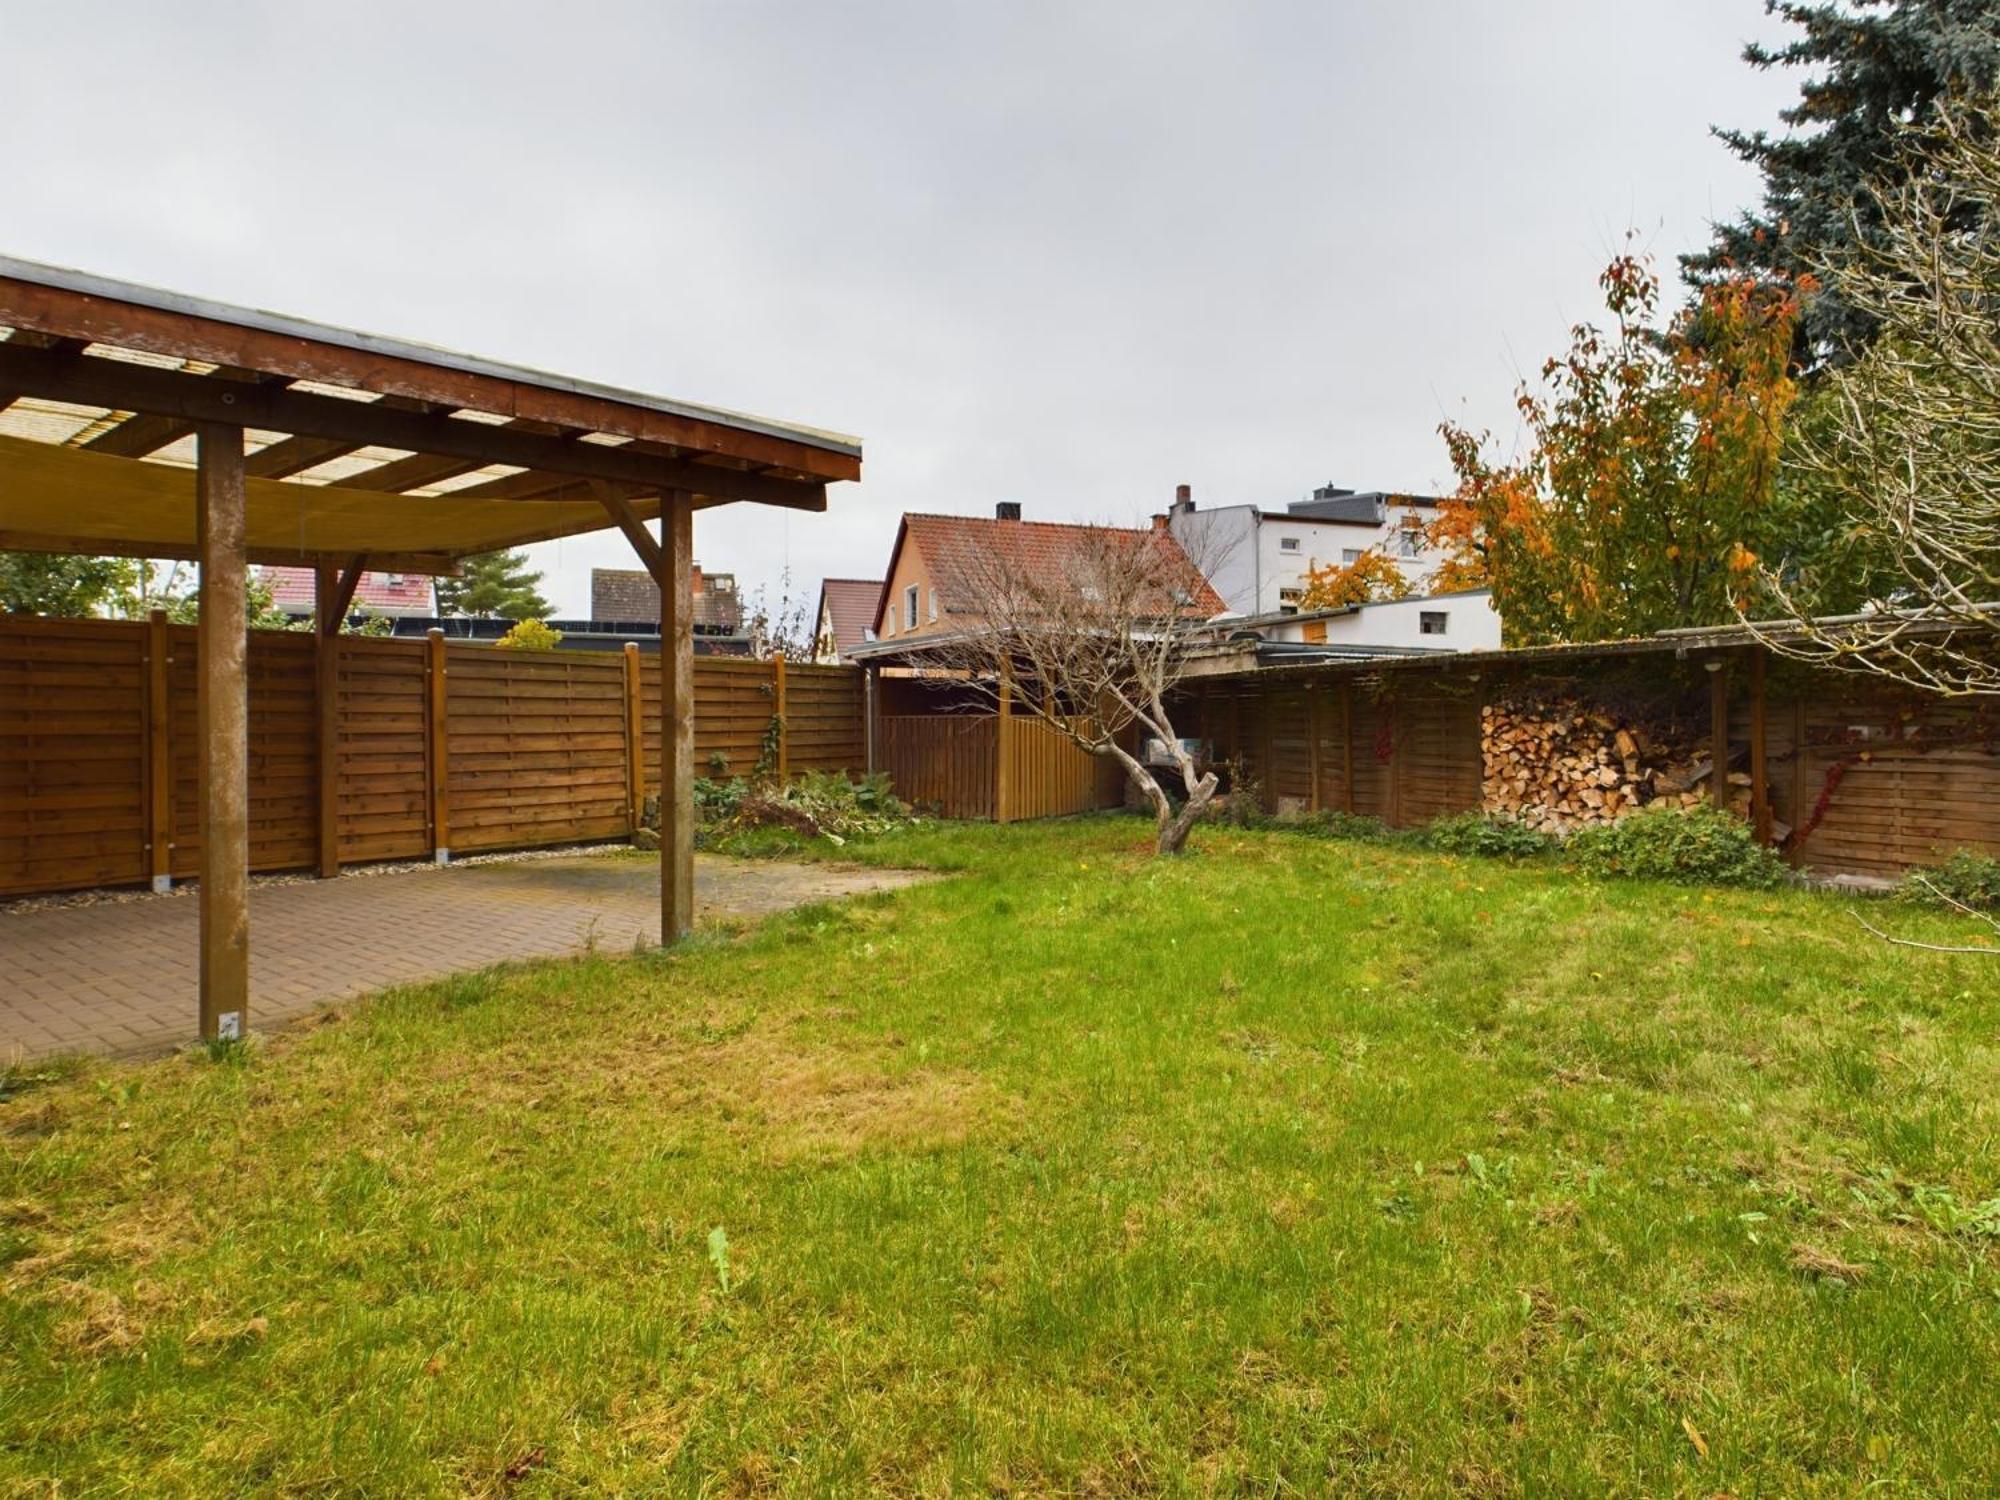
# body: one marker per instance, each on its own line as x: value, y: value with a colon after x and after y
x: 1174, y: 830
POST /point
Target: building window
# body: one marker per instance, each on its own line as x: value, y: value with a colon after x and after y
x: 1349, y: 556
x: 1288, y: 601
x: 1288, y: 544
x: 933, y: 604
x: 1431, y: 621
x: 1410, y: 537
x: 910, y: 605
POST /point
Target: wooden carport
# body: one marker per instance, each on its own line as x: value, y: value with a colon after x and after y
x: 142, y: 423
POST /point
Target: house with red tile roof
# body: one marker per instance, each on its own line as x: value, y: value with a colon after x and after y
x: 396, y: 595
x: 846, y: 616
x: 932, y: 585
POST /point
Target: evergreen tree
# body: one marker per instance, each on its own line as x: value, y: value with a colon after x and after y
x: 494, y: 584
x: 1876, y: 66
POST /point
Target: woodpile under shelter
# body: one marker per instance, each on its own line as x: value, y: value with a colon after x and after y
x: 145, y: 424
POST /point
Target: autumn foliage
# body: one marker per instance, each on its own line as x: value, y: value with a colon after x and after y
x: 1651, y: 472
x: 1370, y: 578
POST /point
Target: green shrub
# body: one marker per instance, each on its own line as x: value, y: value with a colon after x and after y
x: 1483, y: 834
x: 1694, y: 846
x: 741, y: 818
x: 716, y: 800
x: 1332, y: 823
x: 1967, y: 878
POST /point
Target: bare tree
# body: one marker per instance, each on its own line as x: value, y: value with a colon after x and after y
x: 1909, y: 448
x: 1091, y: 636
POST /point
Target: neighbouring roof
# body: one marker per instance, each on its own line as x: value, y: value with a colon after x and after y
x: 386, y: 593
x: 630, y: 594
x: 957, y: 548
x: 357, y: 446
x: 1366, y: 507
x: 849, y: 605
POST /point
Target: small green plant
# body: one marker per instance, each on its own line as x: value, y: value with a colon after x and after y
x: 1483, y: 834
x: 1965, y: 879
x: 1691, y: 846
x: 718, y: 1256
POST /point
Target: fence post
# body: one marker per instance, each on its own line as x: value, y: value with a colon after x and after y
x: 159, y: 767
x: 778, y: 714
x: 434, y: 689
x: 635, y: 739
x: 868, y: 718
x: 1003, y: 771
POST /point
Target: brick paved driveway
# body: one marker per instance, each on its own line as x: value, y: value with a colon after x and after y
x: 120, y: 978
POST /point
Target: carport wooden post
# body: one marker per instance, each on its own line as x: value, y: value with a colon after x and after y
x: 675, y: 575
x: 222, y: 709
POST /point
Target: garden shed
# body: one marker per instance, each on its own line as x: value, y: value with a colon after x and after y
x: 141, y: 423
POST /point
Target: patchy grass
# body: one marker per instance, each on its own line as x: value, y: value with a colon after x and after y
x: 1291, y: 1166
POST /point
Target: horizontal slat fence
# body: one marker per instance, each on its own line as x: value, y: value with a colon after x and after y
x: 1883, y: 781
x: 491, y: 749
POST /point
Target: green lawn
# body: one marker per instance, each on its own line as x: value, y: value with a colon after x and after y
x: 1293, y: 1166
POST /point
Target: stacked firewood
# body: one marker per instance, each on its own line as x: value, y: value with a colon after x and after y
x: 1558, y: 764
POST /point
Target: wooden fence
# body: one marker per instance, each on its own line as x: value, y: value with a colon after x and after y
x: 430, y: 745
x: 1005, y: 767
x: 941, y: 761
x: 1873, y: 781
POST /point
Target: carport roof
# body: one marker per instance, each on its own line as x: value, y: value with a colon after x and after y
x: 357, y: 445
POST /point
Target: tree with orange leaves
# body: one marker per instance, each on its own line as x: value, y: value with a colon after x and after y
x: 1651, y: 479
x: 1370, y: 578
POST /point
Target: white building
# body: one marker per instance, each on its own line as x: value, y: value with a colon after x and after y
x: 1463, y: 621
x: 1258, y: 559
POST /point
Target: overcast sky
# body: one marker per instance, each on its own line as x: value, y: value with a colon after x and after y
x: 1065, y: 254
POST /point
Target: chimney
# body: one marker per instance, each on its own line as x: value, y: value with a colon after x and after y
x: 694, y: 575
x: 1007, y: 510
x: 1159, y: 523
x: 1183, y: 499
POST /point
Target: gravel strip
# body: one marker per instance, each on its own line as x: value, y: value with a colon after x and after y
x: 119, y: 895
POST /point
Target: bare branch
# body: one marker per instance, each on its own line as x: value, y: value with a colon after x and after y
x: 1911, y: 449
x: 1089, y: 627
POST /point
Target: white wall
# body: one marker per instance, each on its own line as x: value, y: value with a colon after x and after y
x: 1324, y: 542
x: 1470, y: 624
x: 1223, y: 544
x: 1241, y: 549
